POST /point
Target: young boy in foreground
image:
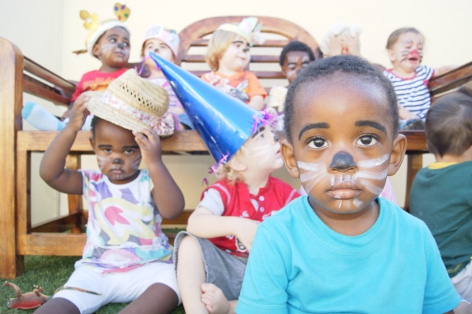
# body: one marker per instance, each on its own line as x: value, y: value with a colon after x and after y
x: 341, y: 249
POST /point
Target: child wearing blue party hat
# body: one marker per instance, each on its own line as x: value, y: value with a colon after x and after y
x: 211, y: 255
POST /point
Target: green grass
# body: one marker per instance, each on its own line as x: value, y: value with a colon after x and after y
x: 50, y: 273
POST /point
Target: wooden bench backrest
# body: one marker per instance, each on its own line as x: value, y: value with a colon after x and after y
x: 264, y: 57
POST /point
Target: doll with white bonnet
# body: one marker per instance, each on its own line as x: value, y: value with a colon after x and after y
x: 164, y: 43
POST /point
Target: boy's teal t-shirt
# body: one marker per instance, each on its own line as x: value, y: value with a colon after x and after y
x: 299, y: 265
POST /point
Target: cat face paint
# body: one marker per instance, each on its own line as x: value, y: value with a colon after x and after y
x: 118, y: 154
x: 407, y: 52
x: 369, y: 176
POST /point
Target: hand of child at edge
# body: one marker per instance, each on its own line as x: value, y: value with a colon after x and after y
x: 150, y: 145
x: 245, y: 232
x: 79, y: 112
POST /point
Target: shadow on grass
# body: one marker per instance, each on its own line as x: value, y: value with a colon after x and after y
x: 50, y: 273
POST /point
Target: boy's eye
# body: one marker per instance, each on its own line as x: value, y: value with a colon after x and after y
x: 366, y: 140
x: 305, y: 64
x: 129, y: 151
x: 317, y: 143
x: 291, y: 66
x: 107, y: 150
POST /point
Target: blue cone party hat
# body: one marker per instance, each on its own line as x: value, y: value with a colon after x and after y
x: 224, y: 122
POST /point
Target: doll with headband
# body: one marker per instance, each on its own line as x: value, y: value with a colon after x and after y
x: 109, y: 42
x: 165, y: 43
x: 211, y: 255
x: 127, y: 257
x: 228, y: 57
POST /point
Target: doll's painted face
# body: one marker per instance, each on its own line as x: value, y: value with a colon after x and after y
x: 112, y: 49
x: 263, y: 151
x: 118, y: 154
x: 341, y: 144
x: 293, y: 63
x: 237, y: 56
x: 158, y: 47
x: 407, y: 52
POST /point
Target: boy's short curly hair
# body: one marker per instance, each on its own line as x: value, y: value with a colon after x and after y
x: 449, y: 123
x: 295, y: 46
x: 219, y: 42
x: 356, y: 67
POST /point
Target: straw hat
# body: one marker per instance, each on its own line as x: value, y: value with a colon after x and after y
x: 130, y: 102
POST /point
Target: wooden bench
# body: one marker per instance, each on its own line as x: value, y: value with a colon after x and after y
x: 20, y: 74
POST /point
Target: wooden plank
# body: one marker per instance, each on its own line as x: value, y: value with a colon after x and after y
x: 58, y: 244
x: 11, y: 102
x: 416, y: 141
x: 450, y: 80
x: 41, y: 90
x: 37, y: 141
x: 67, y: 87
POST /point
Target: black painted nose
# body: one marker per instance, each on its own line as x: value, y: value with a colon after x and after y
x: 342, y: 161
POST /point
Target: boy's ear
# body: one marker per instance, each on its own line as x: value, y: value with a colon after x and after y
x: 289, y: 159
x: 96, y: 50
x: 237, y: 164
x: 398, y: 152
x: 391, y: 56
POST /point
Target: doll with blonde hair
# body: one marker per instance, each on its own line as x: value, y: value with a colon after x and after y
x: 228, y: 57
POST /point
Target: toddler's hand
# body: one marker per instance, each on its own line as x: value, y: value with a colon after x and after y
x: 150, y: 145
x: 79, y: 112
x: 245, y: 232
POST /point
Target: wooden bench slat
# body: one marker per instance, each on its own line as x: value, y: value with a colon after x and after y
x: 39, y: 71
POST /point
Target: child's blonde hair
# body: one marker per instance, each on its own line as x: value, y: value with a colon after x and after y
x: 226, y: 171
x: 219, y: 42
x: 393, y: 38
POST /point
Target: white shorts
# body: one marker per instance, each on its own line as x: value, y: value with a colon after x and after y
x: 463, y: 282
x: 116, y: 287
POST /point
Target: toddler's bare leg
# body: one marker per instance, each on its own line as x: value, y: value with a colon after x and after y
x: 57, y: 305
x: 215, y: 300
x: 191, y: 275
x: 463, y: 308
x: 158, y: 299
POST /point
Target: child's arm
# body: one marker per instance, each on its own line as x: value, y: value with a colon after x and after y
x: 204, y: 224
x: 166, y: 194
x: 256, y: 92
x: 257, y: 102
x: 52, y: 169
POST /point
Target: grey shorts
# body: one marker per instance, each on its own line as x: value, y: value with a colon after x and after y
x: 222, y: 269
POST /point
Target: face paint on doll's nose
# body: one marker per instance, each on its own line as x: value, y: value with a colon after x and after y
x: 342, y: 161
x: 117, y: 161
x: 121, y: 45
